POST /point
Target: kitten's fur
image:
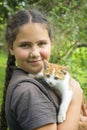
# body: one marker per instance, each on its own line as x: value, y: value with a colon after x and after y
x: 57, y: 77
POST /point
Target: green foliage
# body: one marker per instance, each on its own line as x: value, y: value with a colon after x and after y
x: 2, y: 72
x: 78, y: 64
x: 71, y: 19
x: 8, y: 7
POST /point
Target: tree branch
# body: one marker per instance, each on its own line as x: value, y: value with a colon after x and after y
x: 72, y: 48
x: 76, y: 45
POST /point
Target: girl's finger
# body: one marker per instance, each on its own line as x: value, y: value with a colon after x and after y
x: 84, y: 108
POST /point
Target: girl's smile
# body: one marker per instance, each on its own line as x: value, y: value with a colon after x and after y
x: 31, y: 46
x: 34, y: 62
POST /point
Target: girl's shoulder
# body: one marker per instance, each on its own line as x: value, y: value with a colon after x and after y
x: 21, y: 81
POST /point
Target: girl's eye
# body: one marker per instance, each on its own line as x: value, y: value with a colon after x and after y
x: 25, y: 45
x: 42, y: 43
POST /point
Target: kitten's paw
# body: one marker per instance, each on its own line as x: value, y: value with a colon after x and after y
x: 61, y: 117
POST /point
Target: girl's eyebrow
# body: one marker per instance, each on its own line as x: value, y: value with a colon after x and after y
x: 22, y: 42
x: 41, y: 41
x: 32, y: 42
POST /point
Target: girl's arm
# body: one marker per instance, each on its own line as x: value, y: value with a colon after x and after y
x: 73, y: 114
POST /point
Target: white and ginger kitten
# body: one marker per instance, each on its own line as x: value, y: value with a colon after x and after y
x: 57, y: 77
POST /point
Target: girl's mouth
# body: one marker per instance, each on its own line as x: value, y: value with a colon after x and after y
x: 35, y: 61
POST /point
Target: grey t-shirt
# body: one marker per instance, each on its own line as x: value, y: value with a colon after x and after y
x: 29, y: 104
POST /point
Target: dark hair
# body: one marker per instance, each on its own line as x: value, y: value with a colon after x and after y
x: 20, y: 18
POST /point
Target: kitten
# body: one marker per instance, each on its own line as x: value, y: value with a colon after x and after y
x: 57, y: 77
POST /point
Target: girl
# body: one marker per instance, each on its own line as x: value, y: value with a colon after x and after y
x: 27, y: 103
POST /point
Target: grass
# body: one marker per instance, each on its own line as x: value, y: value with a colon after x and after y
x: 2, y: 72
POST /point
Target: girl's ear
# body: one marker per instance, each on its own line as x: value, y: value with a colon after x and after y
x: 11, y: 51
x: 10, y: 48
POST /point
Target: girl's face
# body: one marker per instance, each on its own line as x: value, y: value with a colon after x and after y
x: 31, y: 46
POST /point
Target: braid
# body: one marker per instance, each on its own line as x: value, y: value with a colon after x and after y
x: 9, y: 71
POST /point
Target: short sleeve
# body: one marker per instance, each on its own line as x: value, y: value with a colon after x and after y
x: 31, y: 107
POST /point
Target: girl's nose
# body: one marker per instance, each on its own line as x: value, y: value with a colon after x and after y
x: 35, y: 52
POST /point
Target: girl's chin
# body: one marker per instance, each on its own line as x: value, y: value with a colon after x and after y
x: 35, y: 71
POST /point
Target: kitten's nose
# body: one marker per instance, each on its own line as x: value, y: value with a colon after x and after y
x: 50, y: 84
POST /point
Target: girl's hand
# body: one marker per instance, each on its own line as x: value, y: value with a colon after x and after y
x: 83, y: 118
x: 83, y: 123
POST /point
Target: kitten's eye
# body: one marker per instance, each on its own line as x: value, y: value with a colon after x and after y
x: 56, y: 77
x: 47, y: 75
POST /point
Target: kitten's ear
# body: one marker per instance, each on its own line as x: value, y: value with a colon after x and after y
x: 67, y: 67
x: 46, y: 64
